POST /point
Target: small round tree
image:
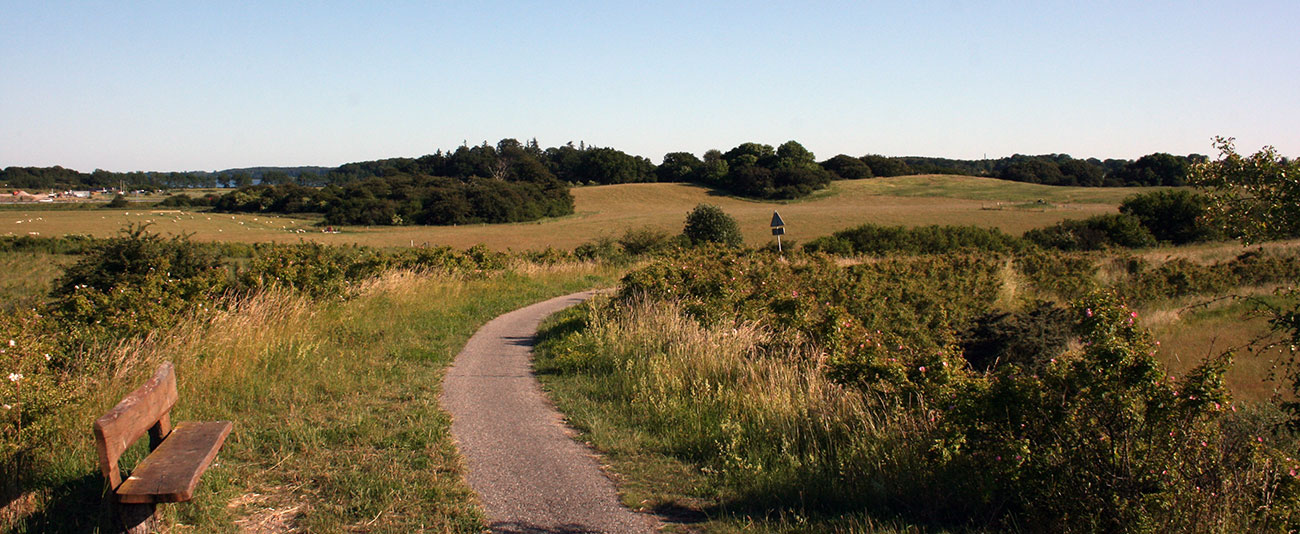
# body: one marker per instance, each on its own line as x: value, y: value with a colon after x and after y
x: 709, y: 224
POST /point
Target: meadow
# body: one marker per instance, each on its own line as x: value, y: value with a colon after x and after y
x: 315, y: 381
x: 611, y: 210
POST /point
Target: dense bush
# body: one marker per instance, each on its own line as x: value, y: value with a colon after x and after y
x: 709, y: 224
x: 135, y: 283
x: 1173, y: 216
x: 874, y: 319
x: 186, y: 201
x: 638, y: 241
x: 1094, y: 233
x: 31, y: 391
x: 411, y: 199
x: 847, y: 167
x: 882, y: 240
x: 1179, y: 277
x: 1104, y: 440
x: 1028, y: 339
x: 1097, y: 437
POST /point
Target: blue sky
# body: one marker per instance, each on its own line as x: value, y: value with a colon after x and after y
x: 209, y: 85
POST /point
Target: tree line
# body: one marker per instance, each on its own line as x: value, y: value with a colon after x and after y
x: 485, y: 184
x: 751, y: 169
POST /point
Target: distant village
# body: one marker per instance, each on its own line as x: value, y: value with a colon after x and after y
x: 19, y: 195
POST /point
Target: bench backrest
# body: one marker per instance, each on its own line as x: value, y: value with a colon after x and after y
x: 146, y: 409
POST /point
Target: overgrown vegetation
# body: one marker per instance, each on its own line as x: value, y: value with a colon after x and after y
x: 915, y: 388
x: 268, y: 340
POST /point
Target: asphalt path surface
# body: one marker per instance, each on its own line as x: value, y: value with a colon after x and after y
x: 531, y: 476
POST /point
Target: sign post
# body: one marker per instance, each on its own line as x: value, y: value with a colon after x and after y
x: 778, y: 230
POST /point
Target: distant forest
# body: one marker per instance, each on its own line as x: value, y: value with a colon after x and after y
x: 516, y: 181
x: 583, y: 164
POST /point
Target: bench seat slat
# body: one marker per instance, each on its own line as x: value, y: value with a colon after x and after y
x: 171, y: 472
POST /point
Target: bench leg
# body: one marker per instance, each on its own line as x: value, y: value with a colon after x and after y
x: 136, y: 518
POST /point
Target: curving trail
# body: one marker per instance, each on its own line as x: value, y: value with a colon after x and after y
x: 531, y: 476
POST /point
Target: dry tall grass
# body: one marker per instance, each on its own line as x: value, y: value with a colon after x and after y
x: 768, y: 429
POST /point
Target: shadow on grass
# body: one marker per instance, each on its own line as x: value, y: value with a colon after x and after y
x: 78, y: 505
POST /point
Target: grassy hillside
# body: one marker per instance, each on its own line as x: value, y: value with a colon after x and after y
x: 613, y: 209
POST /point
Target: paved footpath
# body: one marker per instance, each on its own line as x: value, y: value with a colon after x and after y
x: 531, y: 476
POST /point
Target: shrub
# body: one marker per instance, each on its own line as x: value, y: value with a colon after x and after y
x: 1173, y: 216
x: 118, y: 201
x: 603, y: 248
x: 1104, y: 440
x: 1094, y: 233
x: 645, y: 240
x: 1065, y: 276
x: 881, y: 240
x: 135, y: 283
x: 709, y: 224
x: 1028, y: 339
x: 30, y: 396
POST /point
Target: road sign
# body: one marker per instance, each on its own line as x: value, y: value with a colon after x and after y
x: 778, y: 229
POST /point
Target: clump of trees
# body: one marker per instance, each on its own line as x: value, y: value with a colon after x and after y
x: 752, y: 170
x: 483, y: 185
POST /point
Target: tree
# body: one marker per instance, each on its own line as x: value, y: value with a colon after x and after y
x: 1257, y: 198
x: 1174, y: 216
x: 118, y: 201
x: 1253, y: 198
x: 885, y: 166
x: 680, y: 167
x: 242, y: 179
x: 275, y: 177
x: 715, y: 168
x: 1155, y: 169
x: 709, y: 224
x: 793, y: 153
x: 847, y: 167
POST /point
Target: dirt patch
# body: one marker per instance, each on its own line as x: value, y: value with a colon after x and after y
x: 263, y: 515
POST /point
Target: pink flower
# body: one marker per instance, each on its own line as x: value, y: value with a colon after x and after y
x: 922, y: 368
x: 1089, y: 312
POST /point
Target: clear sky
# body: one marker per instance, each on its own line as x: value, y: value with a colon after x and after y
x: 176, y: 85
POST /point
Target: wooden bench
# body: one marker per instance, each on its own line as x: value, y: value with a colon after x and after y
x: 177, y: 457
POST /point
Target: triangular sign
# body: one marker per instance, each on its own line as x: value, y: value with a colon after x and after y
x: 776, y: 220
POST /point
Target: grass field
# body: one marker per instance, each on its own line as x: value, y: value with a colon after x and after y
x: 608, y: 211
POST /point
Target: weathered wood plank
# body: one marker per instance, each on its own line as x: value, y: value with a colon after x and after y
x: 142, y: 410
x: 171, y: 472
